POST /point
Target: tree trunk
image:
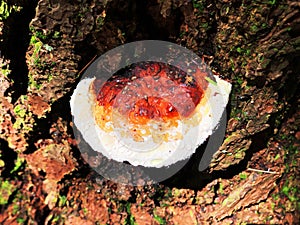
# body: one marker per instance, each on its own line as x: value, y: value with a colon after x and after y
x: 255, y: 45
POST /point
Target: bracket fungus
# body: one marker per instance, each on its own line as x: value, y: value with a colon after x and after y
x: 149, y: 113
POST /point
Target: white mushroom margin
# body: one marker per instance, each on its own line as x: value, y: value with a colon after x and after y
x: 166, y: 153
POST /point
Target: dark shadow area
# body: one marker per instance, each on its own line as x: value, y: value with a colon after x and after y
x: 290, y: 90
x: 190, y: 177
x: 142, y: 20
x: 87, y: 53
x: 8, y: 156
x: 259, y: 142
x: 42, y: 214
x: 16, y: 38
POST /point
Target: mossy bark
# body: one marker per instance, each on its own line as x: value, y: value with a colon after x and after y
x: 253, y: 44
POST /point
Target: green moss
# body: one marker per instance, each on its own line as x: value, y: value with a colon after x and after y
x: 240, y: 153
x: 221, y: 191
x: 176, y: 192
x: 232, y: 64
x: 32, y: 83
x: 277, y: 157
x: 18, y: 209
x: 56, y: 218
x: 18, y: 163
x: 37, y: 42
x: 243, y: 51
x: 19, y: 111
x: 6, y: 189
x: 291, y: 191
x: 159, y: 219
x: 182, y: 34
x: 22, y: 115
x: 5, y: 70
x: 198, y: 5
x: 254, y: 28
x: 272, y: 2
x: 37, y: 46
x: 100, y: 22
x: 40, y: 35
x: 6, y: 10
x: 205, y: 26
x: 130, y: 218
x: 21, y: 220
x: 243, y: 176
x: 85, y: 211
x: 290, y: 188
x: 15, y: 209
x: 62, y: 200
x: 239, y: 50
x: 56, y: 35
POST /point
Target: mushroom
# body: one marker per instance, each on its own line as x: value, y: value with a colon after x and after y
x: 150, y: 114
